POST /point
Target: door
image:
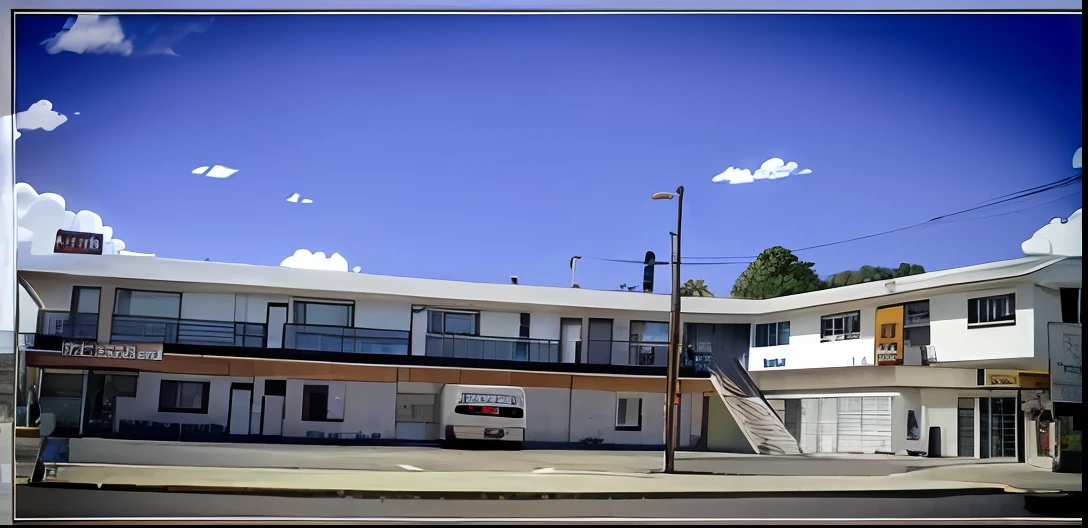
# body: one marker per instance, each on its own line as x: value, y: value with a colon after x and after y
x: 599, y: 349
x: 864, y: 424
x: 570, y: 337
x: 998, y: 427
x: 965, y: 427
x: 99, y: 406
x: 272, y: 407
x: 276, y: 319
x: 241, y: 401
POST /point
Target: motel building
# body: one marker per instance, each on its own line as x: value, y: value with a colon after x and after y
x: 144, y: 347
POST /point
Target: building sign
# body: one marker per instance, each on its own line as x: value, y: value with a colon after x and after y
x: 1065, y: 367
x: 78, y: 243
x: 889, y: 336
x: 90, y: 349
x: 1002, y: 378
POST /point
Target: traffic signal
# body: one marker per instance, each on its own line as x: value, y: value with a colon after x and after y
x: 648, y: 272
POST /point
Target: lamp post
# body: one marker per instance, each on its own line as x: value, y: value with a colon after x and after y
x: 672, y: 372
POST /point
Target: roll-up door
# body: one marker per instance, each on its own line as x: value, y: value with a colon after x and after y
x: 864, y: 424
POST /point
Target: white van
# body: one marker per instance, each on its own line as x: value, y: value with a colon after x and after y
x: 482, y: 412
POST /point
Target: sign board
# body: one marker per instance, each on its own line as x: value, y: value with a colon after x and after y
x: 1003, y: 378
x: 78, y: 243
x: 90, y: 349
x: 1065, y: 367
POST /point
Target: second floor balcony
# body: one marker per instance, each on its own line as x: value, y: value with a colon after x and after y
x: 142, y: 329
x: 326, y: 338
x: 640, y: 354
x: 68, y: 325
x: 493, y: 348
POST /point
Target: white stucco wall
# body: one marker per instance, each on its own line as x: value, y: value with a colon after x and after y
x: 805, y: 350
x: 145, y: 406
x: 369, y: 407
x: 956, y: 342
x: 253, y: 308
x: 500, y: 324
x: 544, y: 326
x: 593, y: 415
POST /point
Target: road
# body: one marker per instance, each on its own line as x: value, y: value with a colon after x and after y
x: 36, y: 502
x: 432, y: 459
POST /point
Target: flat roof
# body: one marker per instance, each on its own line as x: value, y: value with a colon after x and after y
x: 246, y: 276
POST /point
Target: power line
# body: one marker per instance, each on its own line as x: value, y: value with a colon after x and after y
x: 746, y: 259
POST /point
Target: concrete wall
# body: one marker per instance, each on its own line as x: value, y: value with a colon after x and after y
x: 547, y: 417
x: 208, y: 306
x: 500, y: 324
x: 956, y: 342
x: 805, y: 351
x: 383, y: 314
x: 145, y: 406
x: 253, y: 308
x: 369, y: 407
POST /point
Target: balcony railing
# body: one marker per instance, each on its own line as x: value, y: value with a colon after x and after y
x: 143, y: 329
x: 68, y: 324
x: 325, y: 338
x: 493, y: 348
x: 637, y: 353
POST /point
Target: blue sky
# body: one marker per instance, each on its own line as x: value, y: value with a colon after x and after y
x: 479, y: 147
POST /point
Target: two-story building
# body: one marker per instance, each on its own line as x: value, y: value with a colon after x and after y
x: 203, y: 349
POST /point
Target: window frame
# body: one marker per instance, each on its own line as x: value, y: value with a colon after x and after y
x: 625, y: 426
x: 974, y: 305
x: 77, y: 293
x: 204, y: 396
x: 295, y: 313
x: 778, y: 327
x: 309, y: 388
x: 445, y: 313
x: 855, y: 333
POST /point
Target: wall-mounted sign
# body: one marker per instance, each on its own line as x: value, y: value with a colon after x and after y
x: 90, y: 349
x: 1002, y: 378
x: 889, y: 336
x: 1066, y: 383
x: 78, y: 243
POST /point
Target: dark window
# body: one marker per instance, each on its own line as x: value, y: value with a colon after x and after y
x: 772, y: 334
x: 184, y: 396
x: 1071, y: 305
x: 999, y: 309
x: 916, y: 314
x: 85, y: 299
x: 523, y: 330
x: 138, y: 303
x: 315, y: 403
x: 123, y: 385
x: 324, y: 314
x: 629, y: 414
x: 840, y: 326
x: 455, y: 323
x: 275, y: 387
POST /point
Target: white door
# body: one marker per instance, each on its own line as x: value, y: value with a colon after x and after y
x: 865, y: 424
x: 570, y: 333
x: 827, y: 426
x: 239, y: 412
x: 277, y: 318
x: 272, y: 417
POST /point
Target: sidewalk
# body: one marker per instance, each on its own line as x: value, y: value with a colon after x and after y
x: 554, y: 484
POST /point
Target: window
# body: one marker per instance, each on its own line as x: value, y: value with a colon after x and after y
x: 323, y: 403
x: 990, y: 311
x: 841, y: 326
x: 324, y: 314
x: 147, y: 304
x: 183, y: 396
x: 629, y: 414
x: 887, y: 331
x: 1070, y: 302
x: 523, y: 329
x: 772, y: 334
x: 85, y: 300
x: 122, y: 385
x: 916, y: 314
x: 457, y: 323
x: 649, y: 332
x: 521, y: 348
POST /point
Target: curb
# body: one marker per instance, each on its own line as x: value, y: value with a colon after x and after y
x: 463, y: 495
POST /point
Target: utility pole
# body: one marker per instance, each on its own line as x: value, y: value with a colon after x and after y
x: 672, y: 373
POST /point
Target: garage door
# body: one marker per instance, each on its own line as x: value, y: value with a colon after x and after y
x: 865, y: 424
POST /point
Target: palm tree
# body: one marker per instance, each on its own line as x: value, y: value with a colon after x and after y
x: 695, y: 288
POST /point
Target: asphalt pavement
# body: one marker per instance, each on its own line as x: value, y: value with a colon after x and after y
x: 43, y: 503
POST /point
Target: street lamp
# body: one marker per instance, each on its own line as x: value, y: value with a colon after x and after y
x: 672, y: 372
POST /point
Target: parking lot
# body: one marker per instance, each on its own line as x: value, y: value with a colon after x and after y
x: 129, y: 452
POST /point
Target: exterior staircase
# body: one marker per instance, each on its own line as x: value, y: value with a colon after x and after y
x: 759, y: 422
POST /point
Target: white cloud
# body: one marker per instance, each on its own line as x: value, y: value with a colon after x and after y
x: 1061, y: 238
x: 220, y: 171
x: 91, y: 34
x: 357, y: 269
x: 295, y: 198
x: 307, y: 201
x: 40, y: 115
x: 805, y: 171
x: 75, y: 113
x: 200, y: 170
x: 39, y: 216
x: 1076, y: 159
x: 304, y: 259
x: 772, y: 169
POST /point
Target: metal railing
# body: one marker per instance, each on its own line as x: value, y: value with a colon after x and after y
x: 493, y: 348
x: 325, y: 338
x: 637, y: 353
x: 68, y: 324
x: 145, y: 329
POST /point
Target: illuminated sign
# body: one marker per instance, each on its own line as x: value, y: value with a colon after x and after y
x: 89, y: 349
x: 78, y: 243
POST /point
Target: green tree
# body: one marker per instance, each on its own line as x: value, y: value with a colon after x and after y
x: 774, y: 273
x: 872, y: 273
x: 695, y: 288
